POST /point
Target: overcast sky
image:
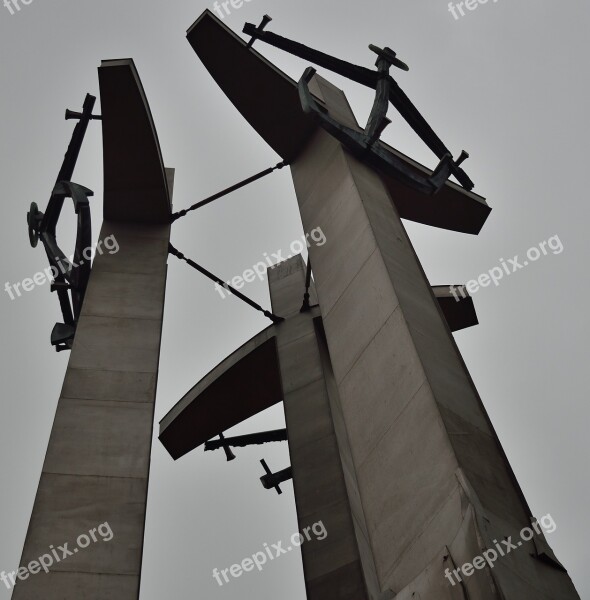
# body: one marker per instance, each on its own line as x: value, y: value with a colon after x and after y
x: 508, y: 82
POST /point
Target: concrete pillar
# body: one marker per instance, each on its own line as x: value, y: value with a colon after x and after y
x: 332, y: 566
x: 429, y: 483
x: 95, y: 475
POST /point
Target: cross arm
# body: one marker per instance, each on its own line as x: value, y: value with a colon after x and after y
x: 244, y: 384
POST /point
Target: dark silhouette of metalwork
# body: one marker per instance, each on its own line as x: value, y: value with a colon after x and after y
x: 225, y: 192
x: 306, y: 306
x: 70, y: 277
x: 273, y: 480
x: 250, y: 439
x: 229, y: 455
x: 364, y: 144
x: 270, y: 480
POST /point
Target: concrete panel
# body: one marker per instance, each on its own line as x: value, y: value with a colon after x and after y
x: 69, y: 506
x: 126, y: 295
x: 73, y: 586
x: 350, y: 318
x: 117, y: 344
x: 392, y: 370
x: 112, y: 386
x: 301, y: 413
x: 137, y: 253
x: 344, y: 584
x: 108, y: 439
x: 318, y: 477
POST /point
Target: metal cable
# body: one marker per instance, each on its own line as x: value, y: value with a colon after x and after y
x: 228, y: 190
x: 194, y: 265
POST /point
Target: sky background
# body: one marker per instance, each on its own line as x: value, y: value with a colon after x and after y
x: 507, y: 82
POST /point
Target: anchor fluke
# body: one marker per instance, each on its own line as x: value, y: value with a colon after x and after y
x: 389, y: 55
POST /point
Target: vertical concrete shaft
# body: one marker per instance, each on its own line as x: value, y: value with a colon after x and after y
x: 89, y: 513
x: 332, y: 566
x: 429, y: 484
x: 97, y: 464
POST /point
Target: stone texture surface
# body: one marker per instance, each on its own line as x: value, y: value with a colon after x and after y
x: 97, y: 464
x: 423, y: 467
x: 318, y: 475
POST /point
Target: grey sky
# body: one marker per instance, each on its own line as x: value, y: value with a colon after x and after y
x: 507, y: 82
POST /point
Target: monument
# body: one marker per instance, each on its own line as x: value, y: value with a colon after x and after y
x: 97, y: 464
x: 390, y: 444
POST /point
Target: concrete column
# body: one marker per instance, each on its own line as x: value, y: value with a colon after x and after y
x: 97, y: 464
x: 434, y: 488
x: 92, y: 495
x: 332, y: 566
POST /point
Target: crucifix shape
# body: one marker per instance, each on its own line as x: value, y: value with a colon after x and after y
x: 390, y: 443
x: 289, y: 362
x: 386, y: 91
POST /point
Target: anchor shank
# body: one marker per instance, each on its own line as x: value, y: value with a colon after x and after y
x: 359, y: 74
x: 378, y: 116
x: 66, y: 171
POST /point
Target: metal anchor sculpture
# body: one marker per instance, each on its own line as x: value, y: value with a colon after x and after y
x: 364, y: 144
x: 70, y: 277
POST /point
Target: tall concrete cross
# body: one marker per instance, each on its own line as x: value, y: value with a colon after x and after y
x: 94, y: 481
x: 390, y: 443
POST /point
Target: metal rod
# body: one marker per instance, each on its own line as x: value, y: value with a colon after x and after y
x: 250, y: 439
x: 233, y: 188
x: 194, y: 265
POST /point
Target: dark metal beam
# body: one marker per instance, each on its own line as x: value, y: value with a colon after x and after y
x: 250, y: 439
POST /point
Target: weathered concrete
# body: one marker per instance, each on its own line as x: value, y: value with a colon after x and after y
x: 434, y: 485
x: 97, y: 464
x: 295, y: 356
x: 318, y: 476
x: 428, y: 483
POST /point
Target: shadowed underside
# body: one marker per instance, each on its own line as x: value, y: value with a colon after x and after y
x: 269, y: 100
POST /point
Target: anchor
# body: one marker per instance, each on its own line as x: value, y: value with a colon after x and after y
x: 70, y: 278
x: 365, y: 144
